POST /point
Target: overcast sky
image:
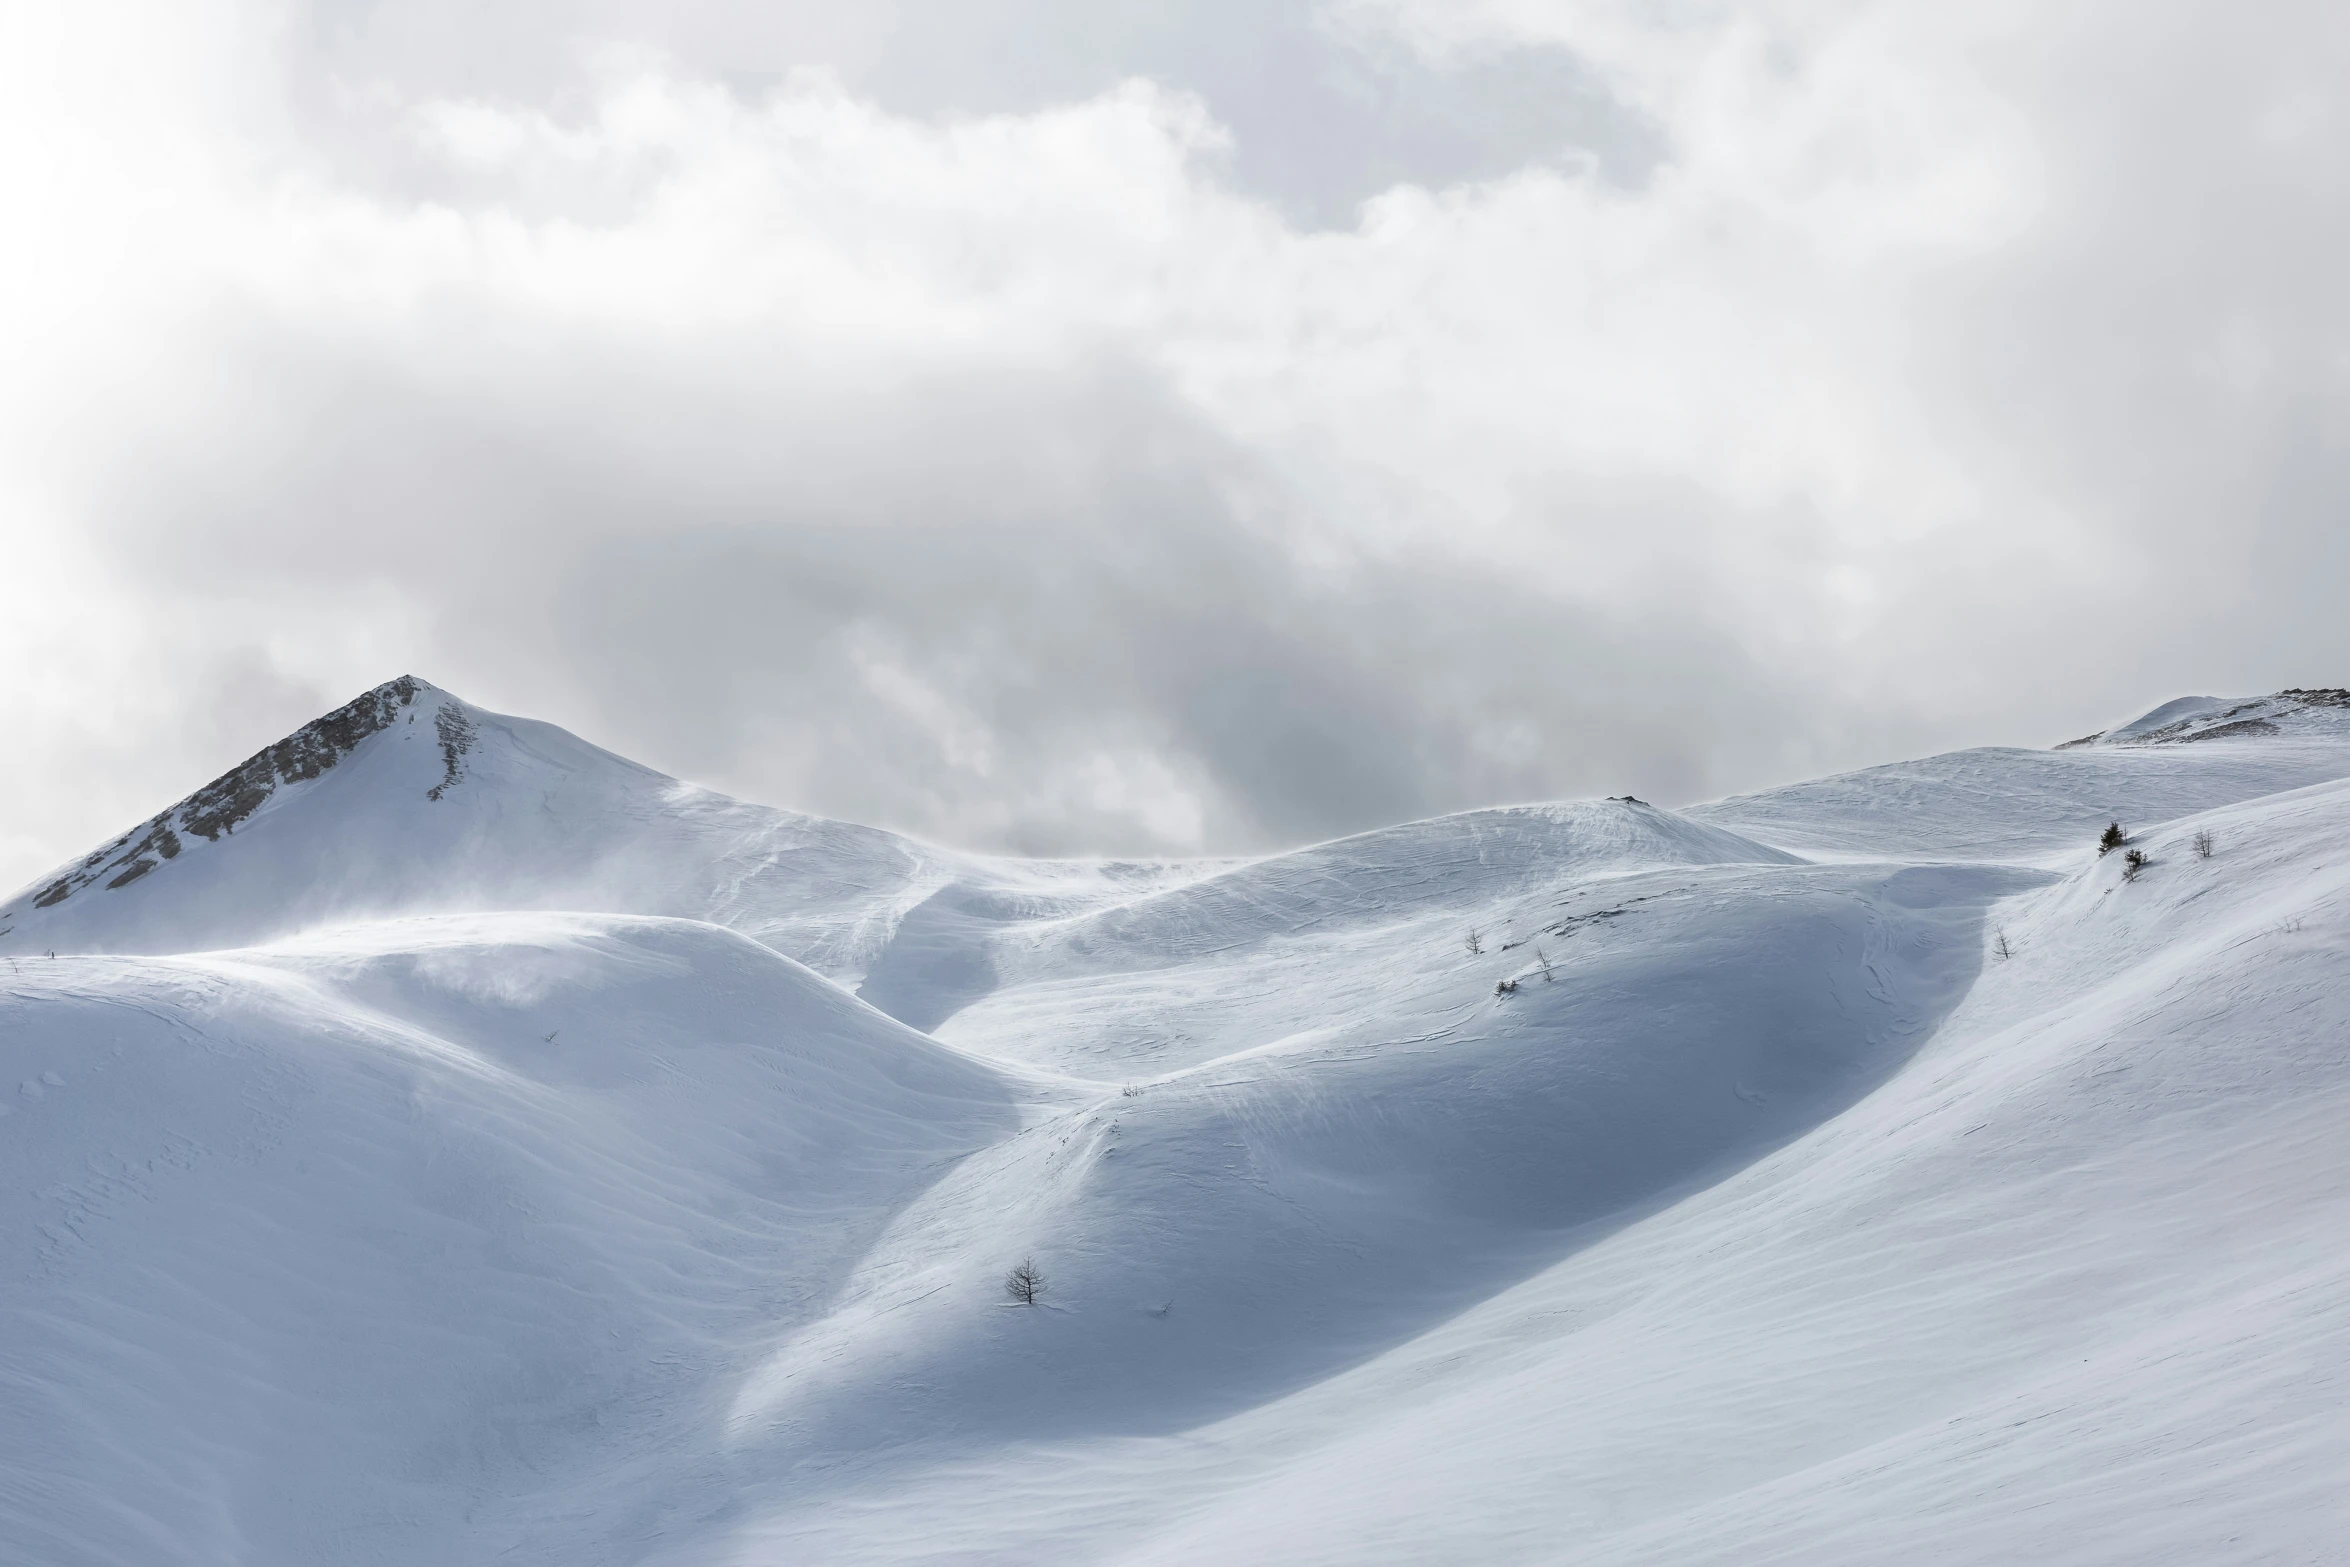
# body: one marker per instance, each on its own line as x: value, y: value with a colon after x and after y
x: 1093, y: 425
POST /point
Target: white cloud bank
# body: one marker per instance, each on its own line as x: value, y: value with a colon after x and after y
x: 1029, y: 478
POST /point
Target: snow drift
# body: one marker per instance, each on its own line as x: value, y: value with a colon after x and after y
x: 342, y: 1247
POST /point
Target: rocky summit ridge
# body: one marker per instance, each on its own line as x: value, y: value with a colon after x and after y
x: 214, y: 811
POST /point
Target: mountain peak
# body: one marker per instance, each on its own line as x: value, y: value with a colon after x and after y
x: 407, y: 800
x: 217, y: 809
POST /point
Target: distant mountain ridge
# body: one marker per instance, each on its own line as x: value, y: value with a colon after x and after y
x: 408, y: 800
x: 2192, y: 718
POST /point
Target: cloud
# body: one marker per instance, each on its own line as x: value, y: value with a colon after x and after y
x: 1000, y: 453
x: 1324, y: 109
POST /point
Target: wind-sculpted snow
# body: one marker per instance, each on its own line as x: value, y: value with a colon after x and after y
x: 2001, y: 804
x: 1241, y: 1229
x: 943, y: 953
x: 1377, y: 877
x: 1867, y: 1170
x: 973, y: 939
x: 402, y: 1245
x: 2066, y: 1286
x: 409, y: 801
x: 1375, y: 928
x: 442, y: 808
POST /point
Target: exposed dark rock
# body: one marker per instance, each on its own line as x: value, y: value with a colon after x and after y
x: 2243, y: 726
x: 305, y: 754
x: 2184, y: 729
x: 215, y: 810
x: 2256, y: 717
x: 456, y: 732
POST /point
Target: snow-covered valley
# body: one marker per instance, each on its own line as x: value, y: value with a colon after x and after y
x: 443, y: 1141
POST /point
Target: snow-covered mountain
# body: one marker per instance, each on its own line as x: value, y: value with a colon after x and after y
x: 440, y: 1140
x: 407, y: 800
x: 2189, y: 718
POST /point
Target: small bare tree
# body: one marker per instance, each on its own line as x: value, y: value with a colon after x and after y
x: 2203, y: 844
x: 2134, y: 862
x: 1025, y: 1282
x: 1476, y: 942
x: 2112, y: 838
x: 2001, y: 947
x: 1543, y: 958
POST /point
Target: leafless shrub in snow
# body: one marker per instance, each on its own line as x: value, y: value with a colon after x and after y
x: 1025, y: 1282
x: 1543, y: 958
x: 2001, y: 946
x: 1476, y: 942
x: 2112, y: 838
x: 2203, y: 844
x: 1131, y: 1091
x: 1507, y: 987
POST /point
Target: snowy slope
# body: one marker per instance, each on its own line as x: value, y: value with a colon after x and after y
x: 2070, y: 1287
x: 382, y: 1247
x: 1731, y: 1198
x: 2192, y: 719
x: 2036, y: 806
x: 410, y: 801
x: 1337, y: 1188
